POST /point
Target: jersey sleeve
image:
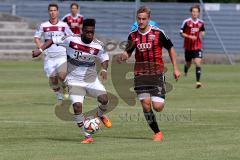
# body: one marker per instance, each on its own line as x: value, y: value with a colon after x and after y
x: 39, y: 32
x: 102, y: 56
x: 202, y: 29
x: 64, y: 19
x: 130, y: 45
x: 165, y: 41
x: 183, y: 27
x: 61, y: 40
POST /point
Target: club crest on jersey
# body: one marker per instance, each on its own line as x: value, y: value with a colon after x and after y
x: 76, y: 46
x: 92, y: 50
x: 152, y: 37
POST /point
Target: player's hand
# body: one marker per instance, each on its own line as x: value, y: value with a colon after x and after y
x: 192, y: 37
x: 122, y: 57
x: 103, y: 74
x: 176, y: 74
x: 36, y: 53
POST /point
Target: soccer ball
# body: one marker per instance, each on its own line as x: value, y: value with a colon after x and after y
x: 92, y: 125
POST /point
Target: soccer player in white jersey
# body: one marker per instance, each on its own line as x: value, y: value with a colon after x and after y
x: 55, y: 56
x: 82, y: 76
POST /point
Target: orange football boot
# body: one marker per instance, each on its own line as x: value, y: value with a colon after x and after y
x: 158, y: 137
x: 106, y: 121
x: 87, y: 140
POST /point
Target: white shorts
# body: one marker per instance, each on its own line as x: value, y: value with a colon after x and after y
x: 143, y: 96
x: 52, y: 66
x: 77, y: 91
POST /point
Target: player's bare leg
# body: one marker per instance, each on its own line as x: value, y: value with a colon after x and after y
x: 198, y: 71
x: 158, y: 106
x: 151, y: 119
x: 54, y: 84
x: 103, y: 100
x: 187, y: 66
x: 62, y: 73
x: 79, y: 119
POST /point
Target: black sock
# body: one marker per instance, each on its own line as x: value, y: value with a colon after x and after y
x: 185, y: 69
x: 198, y: 73
x: 151, y: 120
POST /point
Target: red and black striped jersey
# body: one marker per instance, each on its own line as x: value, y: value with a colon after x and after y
x: 74, y: 22
x: 193, y: 28
x: 148, y: 50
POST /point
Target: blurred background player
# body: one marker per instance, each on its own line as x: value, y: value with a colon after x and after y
x: 148, y: 42
x: 55, y: 56
x: 192, y: 30
x: 74, y: 19
x: 151, y: 23
x: 82, y: 76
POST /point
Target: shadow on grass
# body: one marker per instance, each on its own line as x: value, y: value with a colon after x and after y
x: 125, y: 137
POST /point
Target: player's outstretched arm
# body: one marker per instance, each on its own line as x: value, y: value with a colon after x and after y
x: 37, y: 52
x: 173, y: 57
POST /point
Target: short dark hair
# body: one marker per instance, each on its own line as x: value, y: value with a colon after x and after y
x: 89, y: 22
x: 195, y: 6
x: 74, y: 4
x: 52, y: 5
x: 144, y: 9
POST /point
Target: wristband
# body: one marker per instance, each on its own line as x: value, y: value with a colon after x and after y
x: 40, y: 49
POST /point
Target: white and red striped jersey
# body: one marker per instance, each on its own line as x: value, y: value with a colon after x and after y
x: 46, y: 29
x: 82, y: 56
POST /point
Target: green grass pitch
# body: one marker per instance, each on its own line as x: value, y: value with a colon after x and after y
x: 201, y: 124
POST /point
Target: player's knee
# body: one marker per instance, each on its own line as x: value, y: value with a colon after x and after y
x: 159, y: 107
x: 103, y: 99
x: 188, y: 64
x: 77, y: 107
x: 62, y: 78
x: 146, y: 104
x: 54, y: 80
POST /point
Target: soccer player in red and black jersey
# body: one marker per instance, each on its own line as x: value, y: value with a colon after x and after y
x: 149, y: 82
x: 74, y: 19
x: 192, y: 30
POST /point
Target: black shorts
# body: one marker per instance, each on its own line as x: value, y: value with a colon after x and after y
x: 189, y: 55
x: 152, y: 84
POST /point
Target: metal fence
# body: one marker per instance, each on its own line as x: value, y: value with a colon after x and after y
x: 114, y: 19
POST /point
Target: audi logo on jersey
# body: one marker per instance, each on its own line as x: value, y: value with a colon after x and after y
x: 143, y: 46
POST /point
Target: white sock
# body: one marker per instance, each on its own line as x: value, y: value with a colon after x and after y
x: 58, y: 95
x: 79, y: 120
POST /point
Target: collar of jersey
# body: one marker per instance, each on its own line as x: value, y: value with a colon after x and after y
x: 145, y: 32
x: 195, y: 22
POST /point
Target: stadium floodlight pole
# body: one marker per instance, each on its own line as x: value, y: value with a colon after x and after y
x: 218, y: 36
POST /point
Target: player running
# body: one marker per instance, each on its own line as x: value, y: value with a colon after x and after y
x: 55, y: 56
x: 149, y: 81
x: 82, y: 75
x: 74, y: 19
x: 192, y: 30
